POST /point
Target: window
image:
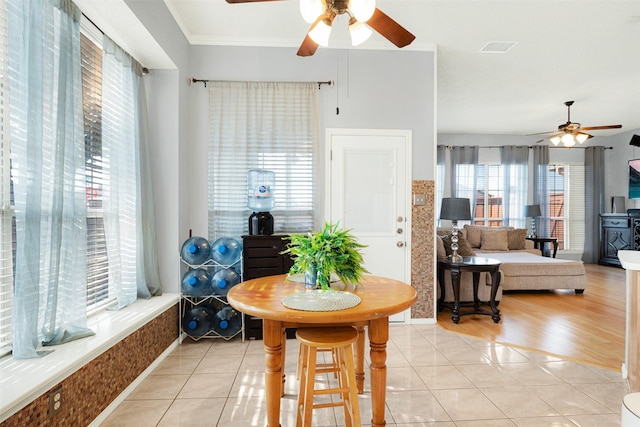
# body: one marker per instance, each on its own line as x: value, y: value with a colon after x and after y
x: 98, y: 296
x: 97, y: 261
x: 6, y: 214
x: 488, y: 209
x: 262, y: 125
x: 566, y: 205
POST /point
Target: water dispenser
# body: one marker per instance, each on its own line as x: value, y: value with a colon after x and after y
x: 260, y: 199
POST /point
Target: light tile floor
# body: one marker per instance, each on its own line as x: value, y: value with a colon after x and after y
x: 434, y: 378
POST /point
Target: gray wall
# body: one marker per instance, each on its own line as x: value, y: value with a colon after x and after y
x: 374, y: 90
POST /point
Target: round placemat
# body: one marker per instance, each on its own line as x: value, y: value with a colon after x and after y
x: 319, y: 300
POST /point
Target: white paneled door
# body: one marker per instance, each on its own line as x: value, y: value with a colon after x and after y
x: 369, y: 192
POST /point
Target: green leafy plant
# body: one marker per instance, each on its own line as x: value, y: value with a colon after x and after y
x: 330, y: 251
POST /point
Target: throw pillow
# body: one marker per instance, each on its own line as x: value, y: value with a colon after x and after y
x: 441, y: 252
x: 516, y: 238
x: 474, y: 235
x: 494, y: 240
x: 464, y: 249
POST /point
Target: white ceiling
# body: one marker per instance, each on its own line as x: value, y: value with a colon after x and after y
x: 585, y: 50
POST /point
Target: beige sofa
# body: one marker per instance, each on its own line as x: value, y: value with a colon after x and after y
x: 523, y: 267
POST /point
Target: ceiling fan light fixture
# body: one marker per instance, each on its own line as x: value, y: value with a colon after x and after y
x: 358, y: 31
x: 568, y: 140
x: 321, y: 32
x: 311, y: 9
x: 362, y: 9
x: 555, y: 140
x: 581, y: 137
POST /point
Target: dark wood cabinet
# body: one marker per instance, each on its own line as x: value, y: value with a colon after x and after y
x: 616, y: 234
x: 263, y: 257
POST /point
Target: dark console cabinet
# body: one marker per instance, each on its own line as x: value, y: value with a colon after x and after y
x: 617, y: 233
x: 262, y: 257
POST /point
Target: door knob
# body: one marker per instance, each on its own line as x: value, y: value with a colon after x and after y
x: 400, y: 244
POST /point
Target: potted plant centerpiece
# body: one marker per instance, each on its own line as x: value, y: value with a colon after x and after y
x: 331, y: 250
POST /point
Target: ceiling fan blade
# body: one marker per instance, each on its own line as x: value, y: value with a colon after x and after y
x: 541, y: 133
x: 390, y: 29
x: 308, y: 47
x: 602, y: 127
x: 246, y: 1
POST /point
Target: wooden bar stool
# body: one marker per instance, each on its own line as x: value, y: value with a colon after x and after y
x: 340, y: 341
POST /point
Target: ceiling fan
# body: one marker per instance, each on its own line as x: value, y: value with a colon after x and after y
x: 571, y: 132
x: 321, y: 14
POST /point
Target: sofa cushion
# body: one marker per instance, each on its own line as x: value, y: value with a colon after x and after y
x: 464, y: 249
x: 441, y: 252
x: 474, y: 235
x: 517, y: 238
x: 494, y: 240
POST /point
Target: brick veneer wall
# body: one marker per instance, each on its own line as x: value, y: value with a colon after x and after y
x: 422, y: 250
x: 88, y: 391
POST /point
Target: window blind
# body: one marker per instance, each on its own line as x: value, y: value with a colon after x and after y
x: 575, y: 235
x: 97, y: 260
x: 261, y: 125
x: 6, y: 212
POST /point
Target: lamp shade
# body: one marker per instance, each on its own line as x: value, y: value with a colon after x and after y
x: 532, y: 211
x: 455, y: 208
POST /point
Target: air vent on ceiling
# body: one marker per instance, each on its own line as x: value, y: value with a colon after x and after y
x: 497, y: 47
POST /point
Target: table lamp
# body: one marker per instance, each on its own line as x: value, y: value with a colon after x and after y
x: 532, y: 211
x: 454, y: 209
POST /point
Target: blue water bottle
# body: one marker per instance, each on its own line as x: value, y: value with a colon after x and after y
x: 198, y: 321
x: 197, y: 283
x: 223, y: 280
x: 195, y: 250
x: 227, y: 322
x: 226, y: 251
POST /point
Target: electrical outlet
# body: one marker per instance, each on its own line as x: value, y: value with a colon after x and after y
x: 419, y: 199
x: 55, y: 401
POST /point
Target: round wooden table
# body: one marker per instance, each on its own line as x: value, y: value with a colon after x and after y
x: 380, y: 298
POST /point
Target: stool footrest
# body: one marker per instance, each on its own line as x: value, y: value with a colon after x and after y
x: 330, y: 391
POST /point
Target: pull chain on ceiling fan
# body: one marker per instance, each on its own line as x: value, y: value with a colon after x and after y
x: 571, y: 132
x: 362, y: 15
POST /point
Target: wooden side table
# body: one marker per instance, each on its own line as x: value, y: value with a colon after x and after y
x: 539, y: 243
x: 475, y: 265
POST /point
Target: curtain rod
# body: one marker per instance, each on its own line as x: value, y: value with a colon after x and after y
x: 449, y: 147
x: 193, y: 80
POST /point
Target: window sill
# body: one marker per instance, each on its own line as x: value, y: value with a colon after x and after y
x: 22, y: 381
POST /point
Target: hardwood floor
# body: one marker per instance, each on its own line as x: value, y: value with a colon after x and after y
x: 587, y: 328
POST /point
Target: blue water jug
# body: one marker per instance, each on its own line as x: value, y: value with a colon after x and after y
x: 226, y: 251
x: 227, y: 322
x: 223, y: 280
x: 197, y: 283
x: 198, y: 321
x: 195, y: 250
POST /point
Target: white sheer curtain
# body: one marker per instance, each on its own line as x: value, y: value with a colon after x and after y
x: 262, y: 125
x: 464, y: 174
x: 123, y: 152
x: 47, y: 143
x: 515, y: 164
